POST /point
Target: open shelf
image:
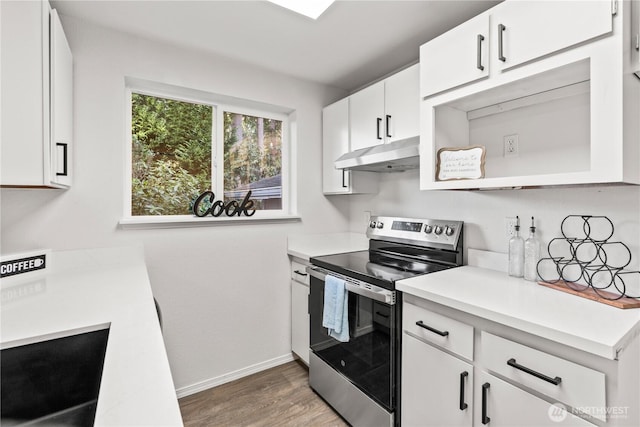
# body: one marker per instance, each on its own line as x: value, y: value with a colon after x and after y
x: 549, y: 112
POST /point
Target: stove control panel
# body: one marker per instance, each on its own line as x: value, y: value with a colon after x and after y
x: 421, y: 232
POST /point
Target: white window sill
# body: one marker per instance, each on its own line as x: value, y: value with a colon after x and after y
x: 182, y: 221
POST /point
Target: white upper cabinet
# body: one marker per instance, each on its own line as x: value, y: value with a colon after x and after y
x: 37, y: 97
x: 565, y: 92
x: 61, y: 104
x: 386, y: 111
x: 366, y: 111
x: 526, y: 30
x: 635, y: 36
x: 335, y: 142
x: 456, y: 57
x: 402, y: 105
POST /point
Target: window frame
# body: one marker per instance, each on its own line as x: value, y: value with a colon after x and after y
x: 220, y: 104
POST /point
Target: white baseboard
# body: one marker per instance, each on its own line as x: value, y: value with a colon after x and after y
x: 235, y: 375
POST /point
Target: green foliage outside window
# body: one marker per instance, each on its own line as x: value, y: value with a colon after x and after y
x: 171, y: 154
x: 252, y: 154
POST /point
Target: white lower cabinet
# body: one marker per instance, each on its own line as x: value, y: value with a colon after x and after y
x: 443, y: 386
x: 436, y: 387
x: 300, y: 310
x: 502, y: 405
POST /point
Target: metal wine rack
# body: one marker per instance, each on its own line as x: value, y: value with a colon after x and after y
x: 586, y: 258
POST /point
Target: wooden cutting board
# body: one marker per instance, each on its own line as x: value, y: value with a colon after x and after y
x: 588, y: 293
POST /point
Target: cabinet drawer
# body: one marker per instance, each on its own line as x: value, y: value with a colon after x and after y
x: 299, y: 272
x: 445, y: 332
x: 505, y: 405
x: 563, y: 381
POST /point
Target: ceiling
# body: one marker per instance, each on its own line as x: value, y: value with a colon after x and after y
x: 353, y: 43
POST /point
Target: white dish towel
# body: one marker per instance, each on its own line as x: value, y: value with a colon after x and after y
x: 335, y: 313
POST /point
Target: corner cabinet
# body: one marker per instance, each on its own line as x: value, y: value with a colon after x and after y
x: 335, y: 142
x: 563, y: 87
x: 37, y: 97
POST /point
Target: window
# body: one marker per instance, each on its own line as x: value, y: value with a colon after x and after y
x: 182, y: 146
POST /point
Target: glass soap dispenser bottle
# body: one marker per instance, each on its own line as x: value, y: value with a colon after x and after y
x: 531, y: 254
x: 516, y: 252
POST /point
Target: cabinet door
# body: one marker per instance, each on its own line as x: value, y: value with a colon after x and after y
x: 335, y: 142
x: 300, y: 320
x: 456, y: 57
x: 501, y: 404
x: 635, y: 36
x: 366, y: 116
x: 402, y: 104
x: 526, y: 30
x: 24, y: 30
x: 436, y: 387
x: 61, y: 104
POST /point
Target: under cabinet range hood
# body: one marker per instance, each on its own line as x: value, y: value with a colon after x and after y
x: 397, y: 156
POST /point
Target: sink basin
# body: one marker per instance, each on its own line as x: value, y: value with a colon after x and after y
x: 54, y: 381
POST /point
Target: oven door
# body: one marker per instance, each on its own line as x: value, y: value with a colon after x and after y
x: 369, y: 359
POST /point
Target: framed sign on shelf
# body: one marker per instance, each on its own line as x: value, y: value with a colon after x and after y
x: 460, y: 163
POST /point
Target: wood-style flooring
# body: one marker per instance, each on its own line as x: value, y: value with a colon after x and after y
x: 279, y: 396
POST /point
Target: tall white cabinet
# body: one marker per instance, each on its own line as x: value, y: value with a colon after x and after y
x: 37, y: 97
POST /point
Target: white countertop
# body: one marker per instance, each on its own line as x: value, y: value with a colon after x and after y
x: 85, y: 288
x: 305, y: 246
x: 574, y: 321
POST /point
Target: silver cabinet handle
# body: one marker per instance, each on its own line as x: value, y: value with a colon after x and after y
x: 479, y: 52
x: 501, y: 29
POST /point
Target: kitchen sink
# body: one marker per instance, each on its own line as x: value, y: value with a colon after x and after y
x: 54, y: 381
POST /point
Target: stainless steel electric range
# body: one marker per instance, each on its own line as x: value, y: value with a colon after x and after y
x: 357, y: 371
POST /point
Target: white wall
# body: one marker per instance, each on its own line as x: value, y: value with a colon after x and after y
x: 224, y: 290
x: 484, y: 212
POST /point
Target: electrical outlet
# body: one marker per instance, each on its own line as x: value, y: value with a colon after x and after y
x: 510, y: 226
x: 510, y: 145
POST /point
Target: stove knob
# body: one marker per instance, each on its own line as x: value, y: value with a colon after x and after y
x: 428, y: 229
x: 448, y: 231
x: 438, y: 230
x: 372, y: 224
x: 380, y: 224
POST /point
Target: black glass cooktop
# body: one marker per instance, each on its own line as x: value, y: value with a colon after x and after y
x: 374, y: 268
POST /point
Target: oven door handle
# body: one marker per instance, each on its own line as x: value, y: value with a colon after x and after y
x: 381, y: 295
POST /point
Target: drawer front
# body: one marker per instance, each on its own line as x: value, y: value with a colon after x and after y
x: 563, y: 381
x: 299, y: 272
x: 504, y: 406
x: 443, y: 331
